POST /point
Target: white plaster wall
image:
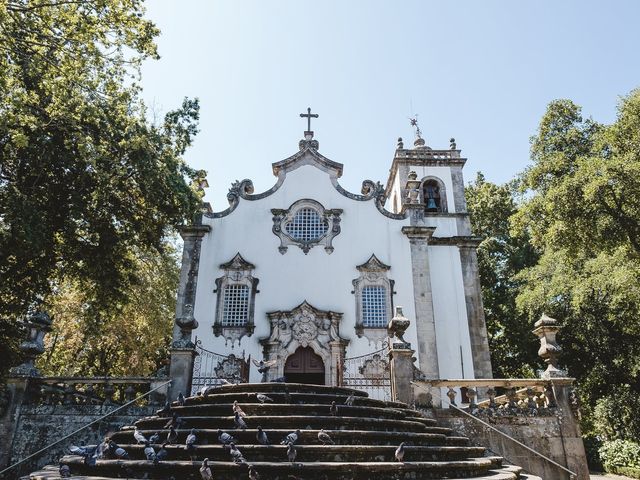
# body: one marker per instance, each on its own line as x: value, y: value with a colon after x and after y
x: 287, y: 280
x: 450, y: 313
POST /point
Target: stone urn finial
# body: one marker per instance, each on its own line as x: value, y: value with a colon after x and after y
x: 413, y: 188
x: 546, y: 329
x: 398, y: 325
x: 186, y: 322
x: 400, y: 145
x: 38, y: 325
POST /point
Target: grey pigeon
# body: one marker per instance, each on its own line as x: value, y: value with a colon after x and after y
x: 82, y: 450
x: 237, y: 409
x: 65, y: 471
x: 324, y: 437
x: 155, y: 438
x: 236, y: 454
x: 291, y: 438
x: 333, y: 409
x: 162, y: 454
x: 137, y: 434
x: 164, y: 411
x: 224, y: 438
x: 149, y: 452
x: 400, y: 452
x: 349, y: 400
x: 90, y: 460
x: 180, y: 399
x: 116, y: 451
x: 205, y: 471
x: 172, y: 436
x: 191, y: 440
x: 291, y: 453
x: 279, y: 380
x: 253, y: 474
x: 261, y: 436
x: 263, y: 398
x: 239, y: 421
x: 174, y: 421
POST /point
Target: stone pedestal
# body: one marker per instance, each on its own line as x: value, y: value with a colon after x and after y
x: 401, y: 369
x: 181, y: 371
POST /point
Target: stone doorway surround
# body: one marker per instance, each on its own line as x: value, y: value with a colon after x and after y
x: 304, y: 366
x: 305, y: 326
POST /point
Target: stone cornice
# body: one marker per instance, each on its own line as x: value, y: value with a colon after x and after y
x: 458, y: 241
x: 307, y: 156
x: 193, y: 230
x: 418, y: 232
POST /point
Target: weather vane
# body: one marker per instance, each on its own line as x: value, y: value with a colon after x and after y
x: 414, y: 123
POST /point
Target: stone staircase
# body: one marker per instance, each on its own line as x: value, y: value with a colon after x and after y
x: 366, y: 436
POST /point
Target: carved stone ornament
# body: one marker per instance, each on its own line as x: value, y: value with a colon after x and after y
x: 304, y: 326
x: 230, y: 367
x: 37, y: 326
x: 397, y: 327
x: 546, y: 329
x: 375, y: 367
x: 306, y: 223
x: 237, y: 274
x: 373, y: 273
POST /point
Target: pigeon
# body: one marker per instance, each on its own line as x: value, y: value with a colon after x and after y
x: 149, y: 452
x: 172, y: 436
x: 291, y: 452
x: 237, y: 409
x: 279, y: 380
x: 155, y: 438
x: 224, y: 438
x: 162, y: 454
x: 236, y: 454
x: 65, y: 471
x: 333, y: 409
x: 263, y: 367
x: 164, y: 411
x: 137, y: 434
x: 181, y: 399
x: 253, y: 474
x: 263, y: 398
x: 117, y: 451
x: 103, y: 449
x: 205, y: 471
x: 239, y: 421
x: 82, y: 450
x: 400, y: 452
x: 349, y: 400
x: 261, y: 436
x: 324, y: 437
x: 190, y: 442
x: 175, y: 421
x: 291, y: 438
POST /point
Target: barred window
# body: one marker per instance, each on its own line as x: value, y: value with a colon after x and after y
x: 374, y: 306
x: 235, y: 310
x: 306, y: 225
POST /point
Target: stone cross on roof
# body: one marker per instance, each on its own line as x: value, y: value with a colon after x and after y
x: 309, y: 115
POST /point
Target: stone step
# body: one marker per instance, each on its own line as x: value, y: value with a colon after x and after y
x: 309, y: 437
x: 295, y: 421
x: 281, y: 470
x: 310, y: 453
x: 288, y: 398
x: 312, y: 409
x: 275, y: 387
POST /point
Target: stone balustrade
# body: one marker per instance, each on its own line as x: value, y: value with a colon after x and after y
x: 503, y: 397
x: 94, y: 390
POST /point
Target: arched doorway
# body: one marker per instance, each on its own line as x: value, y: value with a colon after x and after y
x: 304, y: 366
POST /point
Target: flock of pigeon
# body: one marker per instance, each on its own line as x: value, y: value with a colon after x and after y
x: 110, y: 450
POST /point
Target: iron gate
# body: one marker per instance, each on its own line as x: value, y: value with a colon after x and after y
x: 210, y: 368
x: 369, y: 372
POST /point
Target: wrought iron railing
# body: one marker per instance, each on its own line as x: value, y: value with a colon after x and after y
x: 369, y: 372
x: 211, y: 368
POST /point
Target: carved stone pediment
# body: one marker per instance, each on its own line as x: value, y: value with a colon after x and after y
x: 237, y: 263
x: 373, y: 265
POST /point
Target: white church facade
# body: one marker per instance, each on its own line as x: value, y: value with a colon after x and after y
x: 308, y: 274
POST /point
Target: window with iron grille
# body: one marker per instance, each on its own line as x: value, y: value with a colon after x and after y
x: 306, y: 225
x: 374, y: 306
x: 236, y: 306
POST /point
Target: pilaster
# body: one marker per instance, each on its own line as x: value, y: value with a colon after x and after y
x: 475, y: 310
x: 423, y: 300
x: 401, y: 370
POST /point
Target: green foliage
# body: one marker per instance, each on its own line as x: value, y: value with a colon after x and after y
x: 86, y: 181
x: 582, y: 213
x: 620, y: 453
x: 615, y: 416
x: 501, y: 255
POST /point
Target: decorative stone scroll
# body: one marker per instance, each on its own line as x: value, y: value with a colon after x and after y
x: 306, y: 223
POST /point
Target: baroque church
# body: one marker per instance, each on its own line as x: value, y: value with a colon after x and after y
x: 307, y: 275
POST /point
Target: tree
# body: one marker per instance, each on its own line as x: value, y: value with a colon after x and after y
x: 87, y: 183
x: 501, y: 256
x: 583, y: 215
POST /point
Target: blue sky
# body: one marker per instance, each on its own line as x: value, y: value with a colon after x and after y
x: 480, y: 71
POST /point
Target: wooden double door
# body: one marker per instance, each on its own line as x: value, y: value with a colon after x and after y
x: 304, y: 366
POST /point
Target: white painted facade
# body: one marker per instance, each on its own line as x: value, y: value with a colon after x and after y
x: 324, y: 280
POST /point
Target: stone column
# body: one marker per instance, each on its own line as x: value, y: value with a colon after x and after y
x: 425, y: 323
x: 475, y: 310
x: 182, y: 348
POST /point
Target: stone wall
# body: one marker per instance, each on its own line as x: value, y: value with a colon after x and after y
x: 547, y: 435
x: 37, y: 426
